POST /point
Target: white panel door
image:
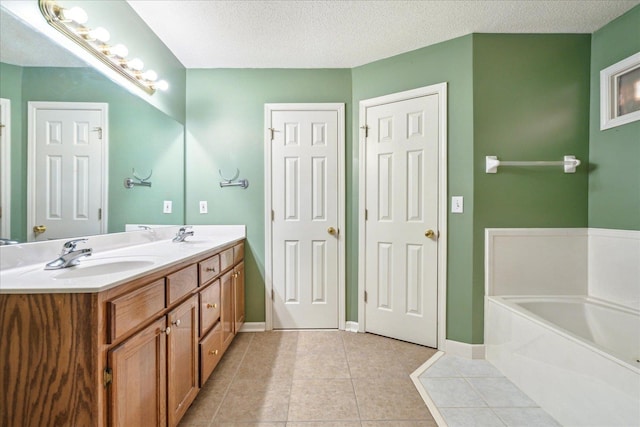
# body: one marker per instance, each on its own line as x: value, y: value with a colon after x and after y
x: 68, y: 173
x: 305, y: 229
x: 5, y: 168
x: 402, y: 206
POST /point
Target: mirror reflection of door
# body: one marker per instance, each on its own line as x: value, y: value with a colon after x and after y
x: 67, y: 188
x: 5, y: 168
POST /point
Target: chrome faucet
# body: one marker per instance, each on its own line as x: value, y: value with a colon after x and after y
x: 183, y: 234
x: 69, y: 255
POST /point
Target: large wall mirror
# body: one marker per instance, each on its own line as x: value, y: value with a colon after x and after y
x: 141, y: 137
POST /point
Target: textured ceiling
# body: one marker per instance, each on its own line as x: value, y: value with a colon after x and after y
x: 346, y: 34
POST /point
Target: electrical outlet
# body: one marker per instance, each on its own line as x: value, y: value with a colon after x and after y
x: 167, y: 207
x: 457, y: 204
x: 203, y: 207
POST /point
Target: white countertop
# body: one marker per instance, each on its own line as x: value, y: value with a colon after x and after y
x: 117, y: 258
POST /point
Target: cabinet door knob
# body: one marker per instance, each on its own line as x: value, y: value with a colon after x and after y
x: 213, y: 352
x: 166, y: 331
x: 209, y: 305
x: 176, y: 322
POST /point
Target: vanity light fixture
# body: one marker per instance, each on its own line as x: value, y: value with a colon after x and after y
x: 71, y: 22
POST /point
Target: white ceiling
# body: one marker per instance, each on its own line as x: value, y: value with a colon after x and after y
x: 346, y: 33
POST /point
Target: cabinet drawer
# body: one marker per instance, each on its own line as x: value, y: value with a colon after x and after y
x: 209, y: 306
x: 132, y: 309
x: 238, y: 253
x: 226, y: 259
x: 181, y: 283
x: 209, y: 268
x: 210, y: 352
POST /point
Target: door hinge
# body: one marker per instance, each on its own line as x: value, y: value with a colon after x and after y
x: 365, y: 297
x: 1, y: 128
x: 108, y: 376
x: 273, y: 295
x: 99, y: 130
x: 273, y: 215
x: 366, y: 214
x: 366, y: 130
x: 99, y: 214
x: 273, y: 130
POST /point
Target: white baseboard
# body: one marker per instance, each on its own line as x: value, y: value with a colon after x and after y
x: 462, y: 349
x: 253, y: 327
x: 351, y: 326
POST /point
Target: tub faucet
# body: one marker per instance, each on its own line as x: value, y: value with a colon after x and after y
x: 183, y: 234
x: 69, y: 255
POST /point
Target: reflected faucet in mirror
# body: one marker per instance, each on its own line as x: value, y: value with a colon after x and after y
x: 182, y: 234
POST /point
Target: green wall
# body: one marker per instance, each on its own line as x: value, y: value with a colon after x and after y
x: 530, y: 102
x: 225, y: 130
x: 141, y: 137
x: 614, y: 180
x: 11, y: 89
x: 449, y: 62
x: 516, y: 96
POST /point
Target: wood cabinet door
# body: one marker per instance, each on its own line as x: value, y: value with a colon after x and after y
x: 227, y: 319
x: 138, y: 393
x: 182, y: 359
x: 238, y: 296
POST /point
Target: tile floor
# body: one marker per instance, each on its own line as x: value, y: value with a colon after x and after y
x: 474, y: 393
x: 313, y: 378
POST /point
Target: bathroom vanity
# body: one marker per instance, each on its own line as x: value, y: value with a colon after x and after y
x: 132, y: 351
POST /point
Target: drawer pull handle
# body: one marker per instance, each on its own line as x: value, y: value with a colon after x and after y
x: 166, y: 331
x: 176, y: 322
x: 213, y: 352
x: 213, y: 270
x: 212, y: 305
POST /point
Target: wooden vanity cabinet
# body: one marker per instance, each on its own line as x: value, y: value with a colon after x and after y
x: 182, y: 359
x: 227, y: 320
x: 133, y: 355
x: 238, y: 296
x: 138, y: 389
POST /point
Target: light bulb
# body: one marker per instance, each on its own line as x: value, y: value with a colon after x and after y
x: 100, y: 34
x: 119, y: 50
x: 135, y: 64
x: 162, y: 85
x: 75, y: 14
x: 150, y: 75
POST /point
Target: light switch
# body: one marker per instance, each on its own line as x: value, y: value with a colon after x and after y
x: 203, y: 207
x: 167, y: 207
x: 457, y: 204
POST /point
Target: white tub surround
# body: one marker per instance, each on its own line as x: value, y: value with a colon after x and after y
x: 116, y: 258
x: 614, y: 266
x: 550, y: 329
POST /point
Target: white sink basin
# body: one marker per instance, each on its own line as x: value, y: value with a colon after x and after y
x: 103, y: 266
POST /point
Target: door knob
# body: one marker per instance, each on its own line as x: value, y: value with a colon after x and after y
x: 429, y: 234
x: 331, y: 231
x: 39, y: 229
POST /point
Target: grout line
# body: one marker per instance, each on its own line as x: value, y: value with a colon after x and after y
x: 415, y: 377
x: 233, y: 377
x: 353, y: 387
